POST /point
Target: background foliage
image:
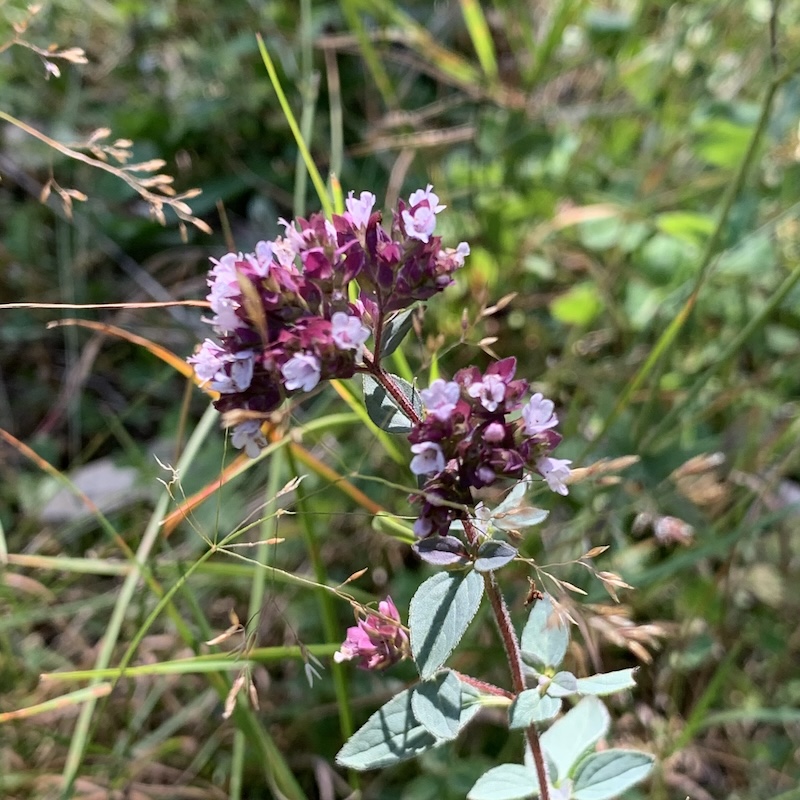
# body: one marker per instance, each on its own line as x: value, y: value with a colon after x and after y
x: 629, y: 170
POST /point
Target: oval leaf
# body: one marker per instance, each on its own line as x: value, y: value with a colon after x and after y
x: 395, y: 331
x: 390, y: 735
x: 506, y: 782
x: 518, y: 518
x: 439, y: 614
x: 568, y: 738
x: 437, y: 705
x: 383, y: 409
x: 562, y: 684
x: 602, y: 776
x: 545, y: 637
x: 442, y: 551
x: 607, y: 682
x: 531, y: 707
x: 493, y: 555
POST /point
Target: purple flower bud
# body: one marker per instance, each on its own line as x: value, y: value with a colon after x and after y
x: 429, y: 458
x: 538, y: 415
x: 555, y: 471
x: 494, y: 433
x: 301, y: 371
x: 378, y: 641
x: 441, y: 398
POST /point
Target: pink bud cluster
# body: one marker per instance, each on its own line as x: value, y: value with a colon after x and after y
x: 468, y: 440
x: 377, y: 641
x: 283, y: 313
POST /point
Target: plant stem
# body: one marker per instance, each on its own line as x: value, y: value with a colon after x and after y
x: 498, y: 604
x: 511, y: 646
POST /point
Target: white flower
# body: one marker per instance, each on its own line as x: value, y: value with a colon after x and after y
x: 428, y: 458
x: 248, y: 435
x: 348, y: 332
x: 419, y: 218
x: 538, y: 415
x: 301, y: 371
x: 555, y: 471
x: 360, y: 210
x: 491, y: 391
x: 441, y: 398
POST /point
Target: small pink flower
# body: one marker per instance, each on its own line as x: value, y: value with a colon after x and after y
x: 361, y: 209
x: 301, y: 371
x: 555, y: 471
x: 378, y: 641
x: 348, y: 333
x: 491, y: 391
x: 419, y: 218
x: 428, y: 458
x: 261, y: 260
x: 440, y: 398
x: 248, y: 436
x: 538, y: 415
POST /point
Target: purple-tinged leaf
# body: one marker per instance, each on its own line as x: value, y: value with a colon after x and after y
x: 442, y: 551
x: 494, y: 554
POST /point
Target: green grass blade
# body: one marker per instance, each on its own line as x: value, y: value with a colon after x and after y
x: 316, y: 178
x: 481, y: 37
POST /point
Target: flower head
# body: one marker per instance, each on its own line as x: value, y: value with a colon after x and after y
x: 377, y: 641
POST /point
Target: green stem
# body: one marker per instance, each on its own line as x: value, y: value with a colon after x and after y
x: 327, y: 612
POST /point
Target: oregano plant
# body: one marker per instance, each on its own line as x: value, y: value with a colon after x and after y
x: 331, y: 299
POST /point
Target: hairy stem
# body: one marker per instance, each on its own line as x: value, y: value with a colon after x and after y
x: 511, y: 646
x: 498, y: 604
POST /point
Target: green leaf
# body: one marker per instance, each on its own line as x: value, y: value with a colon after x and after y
x: 530, y: 707
x: 607, y: 682
x: 494, y: 554
x: 506, y: 782
x: 562, y: 684
x: 437, y: 705
x: 390, y: 735
x: 579, y: 305
x: 602, y: 776
x: 545, y: 637
x: 687, y: 225
x: 573, y: 734
x: 439, y: 614
x: 518, y: 518
x: 395, y: 331
x: 383, y: 409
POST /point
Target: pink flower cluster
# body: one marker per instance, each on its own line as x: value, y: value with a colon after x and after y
x: 378, y: 641
x: 283, y: 314
x: 467, y: 440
